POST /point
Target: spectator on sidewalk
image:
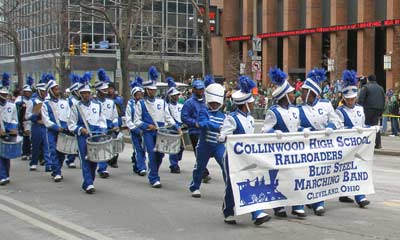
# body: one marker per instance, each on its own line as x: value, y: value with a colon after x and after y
x: 385, y: 118
x: 372, y: 98
x: 394, y: 110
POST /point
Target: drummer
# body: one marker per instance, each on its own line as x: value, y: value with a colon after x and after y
x: 72, y: 100
x: 38, y: 130
x: 86, y: 118
x: 138, y: 156
x: 151, y: 114
x: 174, y: 109
x: 55, y: 112
x: 8, y: 126
x: 109, y: 112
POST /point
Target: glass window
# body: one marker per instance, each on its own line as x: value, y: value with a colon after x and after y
x: 182, y: 33
x: 157, y: 6
x: 172, y: 19
x: 171, y: 7
x: 182, y: 7
x: 171, y: 47
x: 86, y: 27
x: 98, y: 28
x: 182, y: 20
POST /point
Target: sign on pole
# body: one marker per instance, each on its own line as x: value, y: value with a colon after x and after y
x: 242, y: 68
x: 255, y: 66
x: 256, y: 44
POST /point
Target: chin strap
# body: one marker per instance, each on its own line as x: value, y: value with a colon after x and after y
x: 248, y: 109
x: 288, y: 99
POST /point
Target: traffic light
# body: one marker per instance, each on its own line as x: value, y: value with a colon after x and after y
x: 71, y: 50
x: 84, y: 48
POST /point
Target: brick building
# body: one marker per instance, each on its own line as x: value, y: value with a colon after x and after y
x: 297, y: 35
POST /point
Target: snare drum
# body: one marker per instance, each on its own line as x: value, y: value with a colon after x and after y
x: 186, y: 138
x: 168, y: 141
x: 118, y: 143
x: 67, y: 144
x: 99, y: 148
x: 11, y: 147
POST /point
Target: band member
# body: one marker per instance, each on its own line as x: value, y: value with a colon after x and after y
x: 353, y: 116
x: 239, y: 122
x: 55, y: 113
x: 119, y: 104
x: 210, y: 124
x: 86, y: 119
x: 73, y: 99
x: 283, y: 117
x: 109, y: 112
x: 38, y: 129
x: 174, y: 109
x: 317, y: 114
x: 190, y: 115
x: 8, y: 125
x: 24, y: 126
x: 152, y: 113
x: 139, y: 155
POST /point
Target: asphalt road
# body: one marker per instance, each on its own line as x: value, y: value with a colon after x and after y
x: 124, y: 206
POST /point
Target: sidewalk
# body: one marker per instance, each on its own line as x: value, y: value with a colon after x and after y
x: 390, y: 146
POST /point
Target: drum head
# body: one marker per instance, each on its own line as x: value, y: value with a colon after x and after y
x: 99, y: 138
x: 168, y: 131
x: 10, y: 139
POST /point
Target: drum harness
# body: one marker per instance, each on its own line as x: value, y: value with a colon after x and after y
x: 83, y: 119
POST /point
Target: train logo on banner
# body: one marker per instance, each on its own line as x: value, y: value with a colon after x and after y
x: 257, y: 191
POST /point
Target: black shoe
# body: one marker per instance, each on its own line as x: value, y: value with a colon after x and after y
x: 104, y: 174
x: 142, y: 173
x: 90, y: 191
x: 309, y: 206
x: 2, y: 183
x: 230, y: 221
x: 319, y: 212
x: 71, y: 165
x: 298, y: 214
x: 175, y: 169
x: 281, y: 214
x: 41, y: 162
x: 262, y: 220
x: 346, y: 200
x: 363, y: 204
x: 206, y: 179
x: 48, y: 170
x: 114, y: 165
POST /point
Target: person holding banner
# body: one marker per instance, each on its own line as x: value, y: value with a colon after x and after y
x: 151, y: 113
x: 72, y: 101
x: 210, y: 123
x: 55, y: 113
x: 138, y: 155
x: 175, y: 110
x: 8, y: 125
x: 283, y: 117
x: 38, y: 129
x: 86, y: 119
x: 239, y: 122
x: 317, y: 114
x: 109, y: 112
x: 353, y: 117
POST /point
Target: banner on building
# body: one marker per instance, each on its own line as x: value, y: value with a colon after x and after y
x: 267, y: 172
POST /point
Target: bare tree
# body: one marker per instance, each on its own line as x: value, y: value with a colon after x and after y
x: 11, y: 19
x: 205, y: 33
x: 128, y: 20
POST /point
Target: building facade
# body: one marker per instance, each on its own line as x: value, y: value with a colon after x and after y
x: 297, y: 35
x: 166, y: 37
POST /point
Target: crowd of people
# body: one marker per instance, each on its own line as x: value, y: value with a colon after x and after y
x: 42, y: 116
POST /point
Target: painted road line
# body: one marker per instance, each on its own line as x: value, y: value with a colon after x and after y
x: 67, y: 224
x: 57, y: 232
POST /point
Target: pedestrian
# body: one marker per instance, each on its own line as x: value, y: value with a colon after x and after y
x: 281, y: 117
x: 175, y: 110
x: 352, y: 116
x: 55, y: 112
x: 86, y: 120
x: 394, y: 112
x: 239, y: 122
x: 8, y: 125
x: 372, y: 98
x: 151, y: 113
x: 138, y: 155
x: 210, y: 122
x: 317, y: 114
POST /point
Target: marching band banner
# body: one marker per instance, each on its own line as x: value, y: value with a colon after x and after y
x: 267, y: 172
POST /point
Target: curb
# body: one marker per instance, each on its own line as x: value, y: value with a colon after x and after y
x: 387, y: 152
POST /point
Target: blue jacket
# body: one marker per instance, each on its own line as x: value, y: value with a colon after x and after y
x: 190, y: 113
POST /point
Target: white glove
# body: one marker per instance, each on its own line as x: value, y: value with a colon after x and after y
x: 306, y: 132
x: 278, y: 134
x: 359, y: 129
x: 328, y: 131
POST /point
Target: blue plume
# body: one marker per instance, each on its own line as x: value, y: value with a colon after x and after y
x: 44, y: 78
x: 6, y: 80
x: 318, y: 75
x: 171, y: 82
x: 246, y: 84
x: 139, y: 80
x: 74, y: 78
x: 208, y: 79
x: 50, y: 77
x: 153, y: 73
x: 349, y: 78
x: 277, y: 76
x: 29, y: 81
x: 85, y: 79
x: 133, y: 84
x: 102, y: 76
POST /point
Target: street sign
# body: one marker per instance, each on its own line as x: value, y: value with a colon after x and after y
x: 331, y: 64
x: 250, y: 53
x: 256, y: 58
x: 242, y: 68
x: 256, y: 44
x: 104, y: 44
x: 255, y: 66
x: 118, y: 73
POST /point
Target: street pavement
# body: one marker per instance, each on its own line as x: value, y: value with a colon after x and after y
x: 124, y: 206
